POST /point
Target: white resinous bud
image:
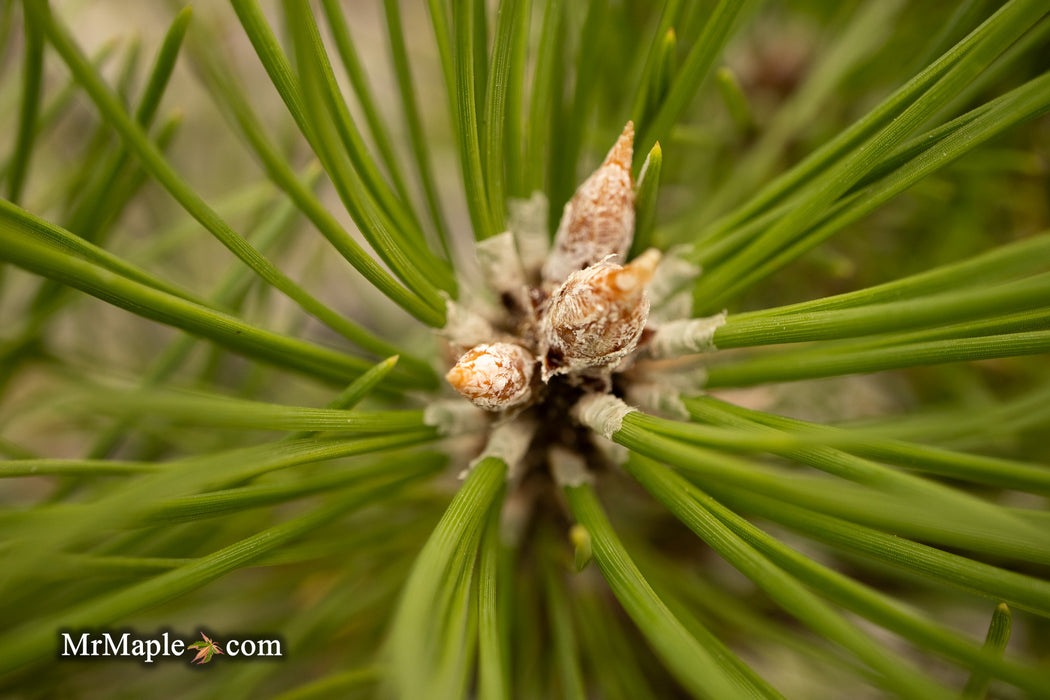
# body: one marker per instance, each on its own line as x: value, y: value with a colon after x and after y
x: 494, y: 376
x: 597, y: 316
x: 599, y: 219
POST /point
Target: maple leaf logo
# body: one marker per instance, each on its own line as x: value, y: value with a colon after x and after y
x: 205, y: 650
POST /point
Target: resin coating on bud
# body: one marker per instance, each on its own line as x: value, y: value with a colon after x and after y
x: 494, y: 376
x: 599, y: 219
x: 597, y: 316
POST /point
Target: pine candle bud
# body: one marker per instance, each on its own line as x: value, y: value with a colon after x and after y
x: 596, y: 318
x: 494, y: 376
x: 599, y: 219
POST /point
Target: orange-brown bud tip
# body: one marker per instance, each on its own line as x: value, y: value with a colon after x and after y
x: 644, y: 266
x: 494, y: 376
x: 622, y: 151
